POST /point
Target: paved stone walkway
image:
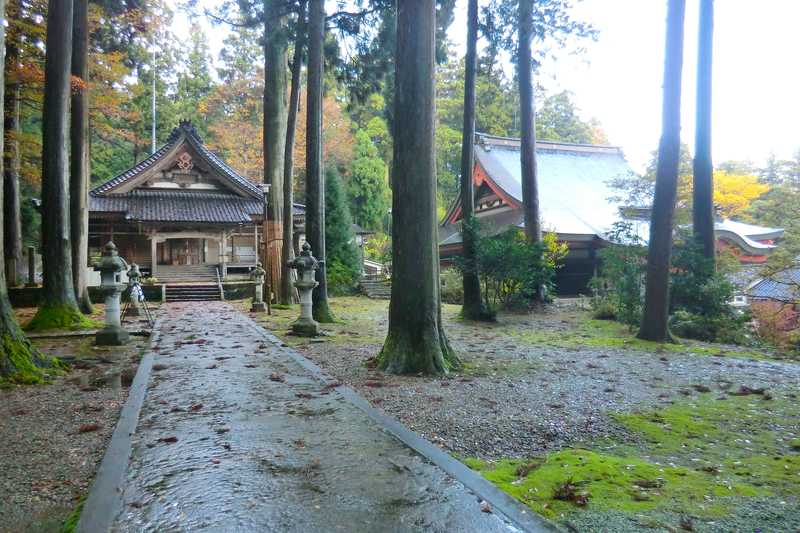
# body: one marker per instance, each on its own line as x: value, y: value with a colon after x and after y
x: 235, y: 435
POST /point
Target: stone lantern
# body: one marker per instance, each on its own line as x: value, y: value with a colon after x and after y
x: 258, y: 274
x: 306, y: 266
x: 136, y: 296
x: 111, y: 267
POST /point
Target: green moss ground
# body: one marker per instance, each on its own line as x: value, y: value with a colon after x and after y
x: 24, y: 364
x: 60, y: 317
x: 699, y: 457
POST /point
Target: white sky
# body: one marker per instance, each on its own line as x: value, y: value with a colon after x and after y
x: 618, y: 79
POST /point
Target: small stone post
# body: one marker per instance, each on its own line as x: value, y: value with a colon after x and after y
x: 110, y: 267
x: 258, y: 274
x: 31, y: 267
x: 306, y: 265
x: 136, y: 296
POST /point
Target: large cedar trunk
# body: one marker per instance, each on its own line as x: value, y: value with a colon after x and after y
x: 315, y: 178
x: 79, y: 157
x: 19, y: 362
x: 12, y: 225
x: 275, y: 117
x: 703, y: 190
x: 416, y: 341
x: 473, y: 308
x: 59, y: 307
x: 530, y: 187
x: 655, y: 316
x: 287, y: 290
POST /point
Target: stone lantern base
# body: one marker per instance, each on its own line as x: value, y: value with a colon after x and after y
x: 112, y: 336
x: 304, y: 327
x: 258, y: 307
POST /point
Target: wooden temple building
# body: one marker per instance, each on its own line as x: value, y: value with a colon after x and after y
x: 181, y: 213
x: 576, y: 202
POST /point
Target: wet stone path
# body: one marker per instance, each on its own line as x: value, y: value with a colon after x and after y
x: 235, y: 435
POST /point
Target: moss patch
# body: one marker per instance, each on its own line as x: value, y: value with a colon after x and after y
x: 697, y: 457
x: 628, y: 484
x: 60, y: 317
x: 71, y: 523
x: 24, y: 365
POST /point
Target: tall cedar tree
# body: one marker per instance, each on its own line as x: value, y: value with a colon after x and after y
x: 19, y: 361
x: 315, y: 180
x: 275, y: 117
x: 11, y: 160
x: 79, y: 155
x: 286, y: 294
x: 473, y: 308
x: 527, y: 153
x: 656, y: 299
x: 703, y: 190
x: 416, y: 341
x: 59, y: 307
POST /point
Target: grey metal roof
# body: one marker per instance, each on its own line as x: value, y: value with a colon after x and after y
x: 572, y: 178
x: 783, y: 286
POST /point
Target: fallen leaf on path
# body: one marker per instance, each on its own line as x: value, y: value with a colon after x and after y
x: 196, y: 407
x: 86, y: 428
x: 276, y: 377
x: 168, y: 440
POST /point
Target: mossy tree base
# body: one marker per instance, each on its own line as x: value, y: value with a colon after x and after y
x: 60, y: 317
x: 322, y: 312
x: 21, y: 363
x: 429, y: 353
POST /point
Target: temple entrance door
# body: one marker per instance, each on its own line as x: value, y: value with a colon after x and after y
x: 181, y: 252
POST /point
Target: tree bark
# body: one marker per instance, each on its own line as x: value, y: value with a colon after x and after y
x: 530, y: 187
x: 19, y: 361
x: 287, y: 290
x: 655, y: 315
x: 315, y: 177
x: 11, y: 161
x: 473, y: 308
x: 59, y: 307
x: 416, y: 341
x: 275, y: 117
x: 703, y: 190
x: 79, y: 157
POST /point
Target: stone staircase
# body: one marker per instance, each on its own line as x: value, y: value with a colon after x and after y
x: 195, y: 292
x: 377, y: 288
x: 186, y: 274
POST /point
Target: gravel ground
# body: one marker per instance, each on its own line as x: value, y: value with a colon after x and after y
x: 55, y: 435
x: 521, y: 398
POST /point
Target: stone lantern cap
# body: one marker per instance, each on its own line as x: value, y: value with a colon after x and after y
x: 258, y: 273
x: 305, y: 261
x: 111, y: 261
x: 134, y: 273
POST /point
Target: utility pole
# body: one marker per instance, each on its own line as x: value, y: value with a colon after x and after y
x: 153, y: 132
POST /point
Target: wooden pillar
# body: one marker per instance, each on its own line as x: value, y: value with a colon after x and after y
x: 255, y: 242
x: 223, y: 250
x: 153, y: 255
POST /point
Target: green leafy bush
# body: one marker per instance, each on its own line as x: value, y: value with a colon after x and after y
x: 452, y: 286
x: 725, y: 328
x: 511, y: 269
x: 618, y: 288
x: 342, y: 255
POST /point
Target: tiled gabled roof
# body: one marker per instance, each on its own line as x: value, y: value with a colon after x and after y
x: 187, y: 131
x: 179, y: 206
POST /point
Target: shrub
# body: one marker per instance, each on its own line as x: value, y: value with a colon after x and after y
x: 726, y: 328
x: 511, y: 269
x: 341, y: 279
x: 776, y: 323
x: 452, y: 286
x: 618, y: 288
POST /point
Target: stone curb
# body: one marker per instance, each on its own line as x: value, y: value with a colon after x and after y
x: 105, y: 497
x: 507, y: 507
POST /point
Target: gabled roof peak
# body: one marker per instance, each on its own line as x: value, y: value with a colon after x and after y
x: 184, y: 126
x: 487, y: 142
